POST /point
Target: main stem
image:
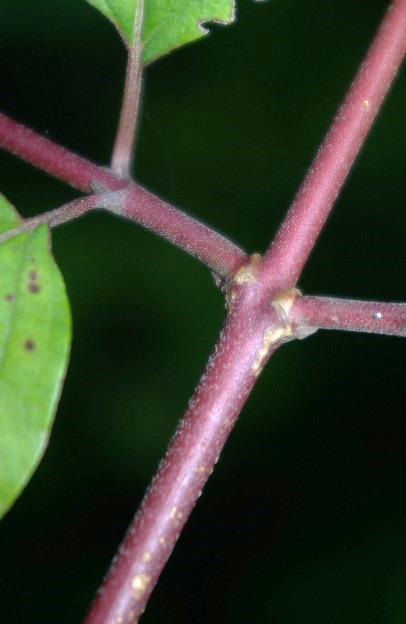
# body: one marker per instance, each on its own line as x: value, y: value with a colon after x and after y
x: 213, y: 410
x: 251, y: 333
x: 291, y: 247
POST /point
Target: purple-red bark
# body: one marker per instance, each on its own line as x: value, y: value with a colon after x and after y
x: 229, y: 377
x: 140, y: 205
x: 55, y: 159
x: 362, y: 316
x: 264, y: 311
x: 298, y: 233
x: 217, y: 252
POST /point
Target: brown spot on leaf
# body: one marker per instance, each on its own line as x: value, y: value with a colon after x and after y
x: 29, y: 345
x: 32, y: 275
x: 9, y: 297
x: 34, y: 288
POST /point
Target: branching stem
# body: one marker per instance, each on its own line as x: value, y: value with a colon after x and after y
x: 137, y: 204
x: 249, y: 337
x: 264, y: 309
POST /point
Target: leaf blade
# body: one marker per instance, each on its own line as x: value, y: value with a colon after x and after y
x: 35, y: 333
x: 168, y: 24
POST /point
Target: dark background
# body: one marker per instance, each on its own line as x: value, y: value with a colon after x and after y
x: 304, y: 519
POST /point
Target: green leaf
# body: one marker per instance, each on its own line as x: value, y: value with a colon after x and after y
x: 35, y: 334
x: 168, y: 24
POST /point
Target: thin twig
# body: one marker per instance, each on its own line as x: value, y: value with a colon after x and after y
x: 302, y: 225
x: 361, y: 316
x: 52, y: 218
x: 124, y: 143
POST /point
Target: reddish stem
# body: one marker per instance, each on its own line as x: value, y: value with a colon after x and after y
x: 298, y: 233
x: 229, y: 377
x: 250, y: 335
x: 217, y: 252
x: 55, y: 159
x: 363, y: 316
x: 220, y: 254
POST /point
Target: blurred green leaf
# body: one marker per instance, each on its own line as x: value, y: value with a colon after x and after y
x: 35, y: 334
x: 168, y: 24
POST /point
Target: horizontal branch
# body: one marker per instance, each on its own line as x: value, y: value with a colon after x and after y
x: 135, y: 202
x: 290, y: 249
x: 349, y: 315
